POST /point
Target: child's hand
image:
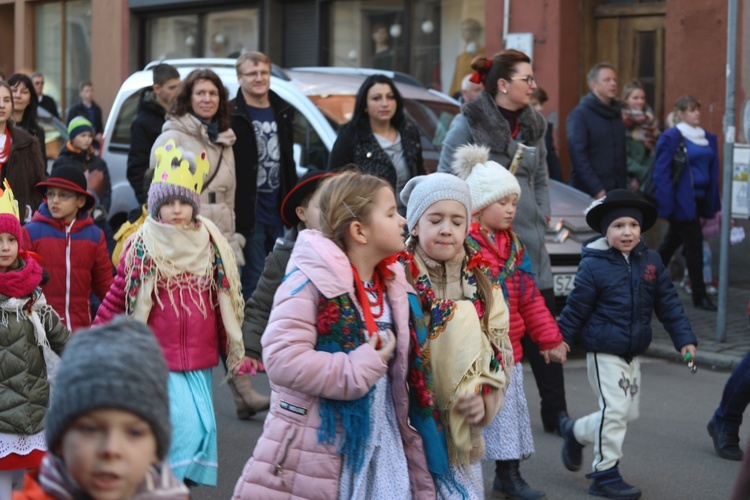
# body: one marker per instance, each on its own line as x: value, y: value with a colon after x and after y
x: 690, y: 348
x: 251, y: 366
x: 558, y: 354
x: 471, y: 407
x: 386, y: 346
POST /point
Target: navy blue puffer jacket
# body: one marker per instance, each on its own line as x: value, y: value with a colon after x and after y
x: 611, y: 306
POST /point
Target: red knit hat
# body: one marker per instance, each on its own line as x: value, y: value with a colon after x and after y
x: 9, y: 224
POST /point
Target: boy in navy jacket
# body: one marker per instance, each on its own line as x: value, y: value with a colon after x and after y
x: 619, y: 284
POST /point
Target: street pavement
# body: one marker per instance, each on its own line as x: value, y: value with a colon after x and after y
x: 668, y: 453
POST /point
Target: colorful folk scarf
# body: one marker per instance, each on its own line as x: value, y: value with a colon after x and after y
x: 506, y: 255
x: 641, y: 125
x: 340, y: 329
x: 187, y: 262
x: 159, y: 484
x: 463, y: 357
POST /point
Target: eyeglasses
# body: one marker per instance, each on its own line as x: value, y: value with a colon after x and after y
x: 50, y: 195
x: 257, y: 74
x: 529, y: 79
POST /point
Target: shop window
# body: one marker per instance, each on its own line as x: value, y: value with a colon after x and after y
x: 63, y: 55
x: 432, y: 40
x: 225, y: 33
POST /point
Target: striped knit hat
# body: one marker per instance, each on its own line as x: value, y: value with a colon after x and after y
x: 77, y: 125
x: 161, y: 192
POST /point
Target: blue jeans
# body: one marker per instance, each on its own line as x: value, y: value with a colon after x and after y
x: 259, y: 244
x: 734, y: 400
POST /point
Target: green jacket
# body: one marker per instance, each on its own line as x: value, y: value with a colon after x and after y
x: 24, y: 389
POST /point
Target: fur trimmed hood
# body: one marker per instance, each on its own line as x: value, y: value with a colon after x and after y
x: 490, y: 128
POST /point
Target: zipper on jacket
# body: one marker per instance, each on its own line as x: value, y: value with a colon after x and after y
x: 67, y: 275
x: 278, y: 469
x: 183, y: 343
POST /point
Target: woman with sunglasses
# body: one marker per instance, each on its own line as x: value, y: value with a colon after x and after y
x: 502, y: 118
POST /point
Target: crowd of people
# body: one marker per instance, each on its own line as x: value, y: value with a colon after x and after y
x: 390, y: 308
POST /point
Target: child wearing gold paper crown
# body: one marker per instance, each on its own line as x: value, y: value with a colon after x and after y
x: 178, y: 275
x: 28, y: 328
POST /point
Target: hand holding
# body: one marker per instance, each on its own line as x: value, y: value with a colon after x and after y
x: 471, y: 406
x: 251, y: 366
x: 386, y: 345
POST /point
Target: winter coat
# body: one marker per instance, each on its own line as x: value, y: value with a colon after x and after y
x: 80, y: 109
x: 596, y: 143
x: 553, y: 162
x: 678, y: 205
x: 613, y: 301
x: 188, y: 340
x: 37, y: 132
x: 24, y: 170
x: 87, y: 160
x: 480, y: 122
x: 527, y: 308
x: 246, y: 157
x: 358, y: 145
x: 288, y: 461
x: 218, y: 196
x: 258, y: 307
x: 77, y: 261
x: 48, y: 103
x: 149, y: 120
x: 23, y: 372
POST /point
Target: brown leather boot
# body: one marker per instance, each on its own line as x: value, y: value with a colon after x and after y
x: 253, y: 400
x: 243, y: 411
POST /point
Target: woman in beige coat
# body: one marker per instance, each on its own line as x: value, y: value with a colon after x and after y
x: 199, y: 121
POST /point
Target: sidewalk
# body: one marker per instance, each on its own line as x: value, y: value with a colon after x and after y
x: 711, y: 354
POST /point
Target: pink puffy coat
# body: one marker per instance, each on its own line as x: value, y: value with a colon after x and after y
x: 188, y: 341
x: 288, y: 461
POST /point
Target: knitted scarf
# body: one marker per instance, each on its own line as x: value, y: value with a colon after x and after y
x: 641, y: 125
x: 696, y: 135
x: 463, y: 357
x: 159, y: 483
x: 340, y: 329
x: 187, y: 262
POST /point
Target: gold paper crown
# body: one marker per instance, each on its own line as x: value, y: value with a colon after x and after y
x: 173, y: 168
x: 8, y: 202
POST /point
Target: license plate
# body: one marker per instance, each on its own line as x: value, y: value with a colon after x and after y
x: 563, y: 283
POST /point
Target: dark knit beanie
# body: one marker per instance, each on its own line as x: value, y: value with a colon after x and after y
x: 161, y: 192
x: 117, y: 366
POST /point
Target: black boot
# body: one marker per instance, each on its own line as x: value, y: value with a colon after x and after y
x: 609, y: 483
x: 572, y: 450
x: 726, y: 444
x: 551, y: 420
x: 508, y: 481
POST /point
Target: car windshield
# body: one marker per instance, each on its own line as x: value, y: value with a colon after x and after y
x: 433, y: 119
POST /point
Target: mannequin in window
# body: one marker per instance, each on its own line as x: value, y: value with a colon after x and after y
x: 382, y: 57
x: 470, y: 33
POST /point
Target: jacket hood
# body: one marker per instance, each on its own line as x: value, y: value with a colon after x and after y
x: 597, y: 246
x: 491, y: 129
x: 190, y: 125
x: 327, y: 266
x: 606, y: 110
x: 43, y: 215
x: 147, y: 103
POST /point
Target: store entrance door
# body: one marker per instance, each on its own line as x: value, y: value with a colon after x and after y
x: 632, y: 38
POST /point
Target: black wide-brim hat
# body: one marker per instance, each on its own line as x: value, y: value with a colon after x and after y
x: 306, y: 185
x: 70, y: 178
x: 620, y: 198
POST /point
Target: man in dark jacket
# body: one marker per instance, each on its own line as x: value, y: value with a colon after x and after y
x: 153, y: 105
x: 88, y: 109
x: 45, y: 101
x: 596, y: 136
x: 264, y: 162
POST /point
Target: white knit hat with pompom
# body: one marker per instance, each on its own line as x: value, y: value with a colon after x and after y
x: 488, y: 180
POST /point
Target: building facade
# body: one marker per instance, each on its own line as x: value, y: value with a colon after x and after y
x: 673, y: 47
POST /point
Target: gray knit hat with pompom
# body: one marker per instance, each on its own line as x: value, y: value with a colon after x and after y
x: 424, y: 190
x: 117, y: 366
